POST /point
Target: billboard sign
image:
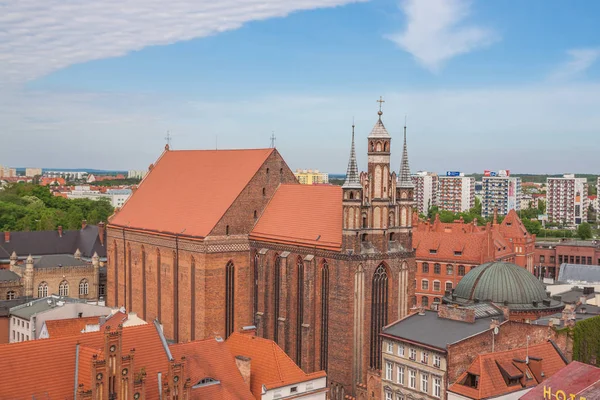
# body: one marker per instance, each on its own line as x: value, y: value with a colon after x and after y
x: 502, y: 173
x: 452, y: 173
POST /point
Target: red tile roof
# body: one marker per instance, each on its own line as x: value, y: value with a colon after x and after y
x: 189, y: 190
x: 513, y: 227
x: 489, y: 368
x: 305, y: 215
x: 270, y: 365
x: 576, y: 378
x: 68, y: 327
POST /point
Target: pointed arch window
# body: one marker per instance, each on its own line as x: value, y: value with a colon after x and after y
x: 83, y: 287
x: 63, y: 289
x: 229, y: 298
x: 158, y: 284
x: 277, y: 293
x: 379, y: 311
x: 11, y: 294
x: 43, y: 289
x: 300, y: 310
x: 116, y: 269
x: 255, y: 287
x: 324, y: 314
x: 143, y: 260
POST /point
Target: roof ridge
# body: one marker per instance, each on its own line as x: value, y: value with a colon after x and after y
x: 274, y: 347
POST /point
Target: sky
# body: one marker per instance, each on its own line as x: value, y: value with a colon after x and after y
x: 482, y: 84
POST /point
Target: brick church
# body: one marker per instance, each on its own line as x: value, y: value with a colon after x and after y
x: 215, y: 240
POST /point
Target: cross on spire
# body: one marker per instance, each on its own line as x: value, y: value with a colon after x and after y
x: 168, y: 139
x: 380, y: 101
x: 273, y: 138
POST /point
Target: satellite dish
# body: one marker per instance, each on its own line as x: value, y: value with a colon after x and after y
x: 496, y: 330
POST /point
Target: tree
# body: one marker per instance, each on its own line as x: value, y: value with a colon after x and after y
x: 534, y: 227
x: 584, y: 231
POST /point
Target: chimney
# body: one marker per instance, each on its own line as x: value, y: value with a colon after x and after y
x: 243, y: 365
x: 83, y: 224
x: 7, y: 237
x: 101, y: 232
x: 60, y: 231
x: 249, y: 330
x: 494, y: 323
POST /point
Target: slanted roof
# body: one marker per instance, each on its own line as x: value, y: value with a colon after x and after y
x: 581, y: 380
x: 304, y: 215
x: 492, y: 368
x: 579, y: 273
x: 8, y: 276
x: 68, y: 327
x: 431, y: 330
x: 512, y: 226
x: 270, y: 365
x: 212, y: 359
x: 55, y: 260
x: 188, y: 191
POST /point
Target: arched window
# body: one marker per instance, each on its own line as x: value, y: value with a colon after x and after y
x: 264, y: 192
x: 392, y: 236
x: 267, y: 172
x: 277, y: 284
x: 43, y: 289
x: 63, y: 289
x: 437, y: 269
x: 461, y: 270
x: 379, y: 309
x: 11, y: 294
x: 229, y: 298
x: 128, y: 280
x: 83, y: 287
x: 425, y: 268
x: 116, y: 269
x: 324, y: 314
x: 255, y: 287
x: 425, y: 301
x: 351, y: 195
x: 364, y: 237
x: 193, y: 298
x: 158, y: 284
x: 300, y: 309
x: 364, y: 220
x: 143, y: 259
x: 227, y: 230
x: 255, y: 215
x: 385, y: 146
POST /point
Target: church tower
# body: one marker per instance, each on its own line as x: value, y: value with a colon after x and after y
x: 405, y: 195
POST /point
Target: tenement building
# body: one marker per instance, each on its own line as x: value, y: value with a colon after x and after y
x: 500, y: 193
x: 215, y: 240
x: 568, y: 201
x: 456, y: 192
x: 426, y: 190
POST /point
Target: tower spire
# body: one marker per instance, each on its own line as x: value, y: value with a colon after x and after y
x: 352, y: 178
x: 404, y: 180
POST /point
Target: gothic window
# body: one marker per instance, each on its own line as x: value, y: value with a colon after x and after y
x: 229, y: 298
x: 392, y: 236
x: 158, y: 285
x: 83, y: 287
x: 378, y: 147
x: 116, y: 269
x: 128, y: 273
x: 372, y: 146
x: 425, y: 268
x: 277, y: 282
x: 143, y: 257
x: 461, y: 270
x: 43, y: 289
x: 359, y: 317
x: 255, y: 288
x: 324, y: 314
x: 351, y: 195
x: 379, y: 309
x: 300, y: 310
x: 63, y: 289
x: 364, y: 220
x: 10, y: 295
x: 264, y: 192
x: 425, y: 301
x: 227, y: 230
x: 437, y: 269
x: 255, y: 215
x: 385, y: 146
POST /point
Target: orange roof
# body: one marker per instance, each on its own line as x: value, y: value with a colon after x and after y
x: 491, y: 367
x: 211, y: 359
x: 305, y: 215
x: 68, y: 327
x: 188, y: 191
x: 513, y: 227
x: 270, y: 365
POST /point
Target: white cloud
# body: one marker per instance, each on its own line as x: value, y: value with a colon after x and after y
x: 580, y: 60
x: 41, y: 36
x: 435, y: 31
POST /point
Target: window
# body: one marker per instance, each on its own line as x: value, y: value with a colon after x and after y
x: 449, y: 286
x: 553, y: 260
x: 401, y: 350
x: 400, y: 374
x: 63, y: 289
x: 425, y: 301
x: 83, y: 287
x: 436, y: 360
x: 425, y: 268
x: 437, y: 269
x: 10, y: 295
x: 425, y: 357
x: 432, y: 251
x: 461, y: 270
x: 542, y: 259
x: 458, y: 253
x: 424, y: 284
x: 294, y: 389
x: 379, y: 311
x: 399, y: 396
x: 389, y: 368
x: 388, y: 395
x: 412, y: 378
x: 102, y: 290
x: 424, y: 383
x: 390, y: 347
x: 560, y: 259
x: 227, y: 230
x: 437, y: 286
x: 437, y: 387
x: 254, y: 286
x: 229, y: 298
x: 449, y: 269
x: 277, y: 284
x: 264, y: 192
x: 412, y: 354
x: 43, y: 289
x: 255, y: 215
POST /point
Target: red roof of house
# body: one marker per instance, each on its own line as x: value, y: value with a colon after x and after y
x: 512, y: 226
x: 492, y: 368
x: 68, y: 327
x: 188, y: 191
x: 305, y: 215
x: 270, y: 365
x: 581, y: 380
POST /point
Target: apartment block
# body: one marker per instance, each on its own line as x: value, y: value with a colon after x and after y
x: 500, y: 191
x: 456, y: 192
x: 311, y: 177
x: 426, y: 190
x: 567, y: 200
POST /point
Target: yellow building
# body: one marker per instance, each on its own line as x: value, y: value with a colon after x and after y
x: 310, y: 177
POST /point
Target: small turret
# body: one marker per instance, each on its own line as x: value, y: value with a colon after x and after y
x: 77, y: 254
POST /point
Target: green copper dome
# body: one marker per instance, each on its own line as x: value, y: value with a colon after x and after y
x: 502, y: 283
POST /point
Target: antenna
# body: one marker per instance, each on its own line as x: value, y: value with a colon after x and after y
x: 273, y: 138
x: 168, y: 138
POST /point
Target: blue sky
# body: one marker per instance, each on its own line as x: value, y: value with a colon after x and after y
x: 485, y: 84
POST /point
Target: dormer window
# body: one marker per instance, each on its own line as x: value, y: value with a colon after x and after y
x: 206, y: 382
x: 458, y: 253
x: 432, y: 251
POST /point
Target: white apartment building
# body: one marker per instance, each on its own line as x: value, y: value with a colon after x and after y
x: 7, y: 172
x: 567, y: 200
x: 136, y: 174
x: 31, y: 172
x: 117, y: 197
x: 426, y: 190
x: 456, y: 192
x: 69, y: 175
x: 500, y: 191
